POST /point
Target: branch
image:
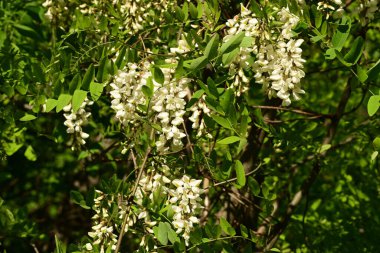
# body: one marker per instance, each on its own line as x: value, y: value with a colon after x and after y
x: 332, y: 128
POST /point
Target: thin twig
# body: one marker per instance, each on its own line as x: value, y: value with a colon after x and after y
x: 130, y: 199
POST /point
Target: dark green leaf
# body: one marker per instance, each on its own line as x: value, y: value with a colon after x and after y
x: 88, y: 77
x: 158, y: 75
x: 211, y: 50
x: 75, y: 83
x: 356, y: 51
x: 232, y: 43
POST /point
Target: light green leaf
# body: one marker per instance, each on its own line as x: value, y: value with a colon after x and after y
x: 373, y: 105
x: 161, y: 232
x: 226, y: 227
x: 376, y: 143
x: 222, y: 121
x: 361, y: 73
x: 50, y: 104
x: 63, y: 100
x: 324, y: 148
x: 30, y: 154
x: 240, y: 173
x: 78, y: 98
x: 28, y: 117
x: 341, y: 34
x: 96, y: 90
x: 229, y: 140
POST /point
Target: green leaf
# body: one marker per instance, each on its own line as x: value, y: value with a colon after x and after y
x: 373, y: 72
x: 324, y: 148
x: 50, y: 104
x: 244, y: 231
x: 253, y: 186
x: 161, y: 232
x: 96, y: 90
x: 226, y: 227
x: 28, y: 117
x: 376, y: 143
x: 341, y: 34
x: 211, y: 50
x: 361, y: 74
x: 198, y: 63
x: 147, y: 91
x: 75, y: 83
x: 102, y: 70
x: 212, y: 87
x: 232, y: 43
x: 222, y: 121
x: 356, y: 51
x: 77, y: 198
x: 193, y: 11
x: 229, y: 140
x: 373, y: 105
x: 30, y: 154
x: 63, y: 100
x: 240, y: 173
x: 78, y: 98
x: 229, y: 57
x: 120, y: 58
x: 158, y: 75
x: 88, y: 77
x: 317, y: 15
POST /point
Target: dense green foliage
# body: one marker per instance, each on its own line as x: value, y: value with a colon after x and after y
x: 299, y: 177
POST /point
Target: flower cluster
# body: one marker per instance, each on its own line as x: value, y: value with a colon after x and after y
x: 75, y: 120
x: 250, y: 25
x: 102, y: 231
x: 127, y: 92
x: 199, y: 109
x: 185, y: 201
x: 57, y: 11
x: 278, y: 66
x: 369, y: 7
x: 168, y: 103
x: 330, y: 7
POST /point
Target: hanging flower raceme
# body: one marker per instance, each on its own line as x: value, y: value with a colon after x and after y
x: 278, y: 63
x: 75, y: 120
x: 103, y: 228
x: 185, y: 201
x: 127, y: 92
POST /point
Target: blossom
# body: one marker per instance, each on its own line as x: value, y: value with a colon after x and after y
x: 75, y: 120
x: 185, y: 202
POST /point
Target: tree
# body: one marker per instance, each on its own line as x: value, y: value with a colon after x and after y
x: 200, y: 126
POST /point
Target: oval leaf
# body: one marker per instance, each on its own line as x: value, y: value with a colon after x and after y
x: 229, y: 140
